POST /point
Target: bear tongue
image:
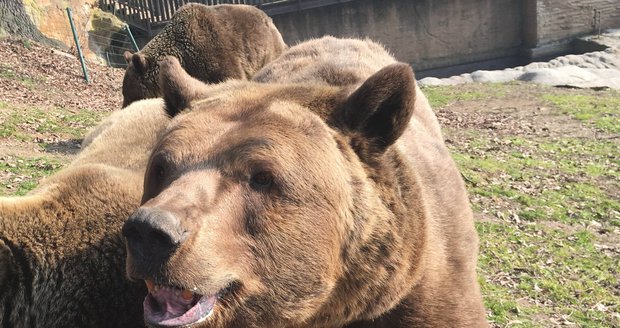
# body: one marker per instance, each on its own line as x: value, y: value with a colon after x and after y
x: 167, y: 307
x: 171, y: 303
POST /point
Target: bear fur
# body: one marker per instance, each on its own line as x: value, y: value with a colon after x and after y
x: 328, y: 203
x: 61, y: 253
x: 213, y: 43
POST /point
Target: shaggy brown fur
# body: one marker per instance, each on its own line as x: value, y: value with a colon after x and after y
x: 307, y: 205
x: 213, y: 43
x: 61, y: 254
x: 328, y: 61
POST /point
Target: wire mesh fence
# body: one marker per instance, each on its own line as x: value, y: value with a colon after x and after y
x: 111, y: 44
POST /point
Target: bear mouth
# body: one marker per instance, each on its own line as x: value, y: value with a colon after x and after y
x: 166, y: 306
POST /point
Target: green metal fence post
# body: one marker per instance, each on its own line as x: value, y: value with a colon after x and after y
x: 133, y: 41
x: 77, y: 44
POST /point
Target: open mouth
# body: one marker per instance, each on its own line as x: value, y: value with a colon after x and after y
x: 166, y: 306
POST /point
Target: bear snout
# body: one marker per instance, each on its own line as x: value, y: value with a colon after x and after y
x: 152, y: 236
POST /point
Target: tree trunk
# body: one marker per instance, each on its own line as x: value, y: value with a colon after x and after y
x: 15, y: 21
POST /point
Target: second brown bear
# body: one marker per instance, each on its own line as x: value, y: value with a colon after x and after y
x: 212, y: 43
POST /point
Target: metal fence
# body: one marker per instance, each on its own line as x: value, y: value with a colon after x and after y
x: 150, y: 16
x: 112, y: 44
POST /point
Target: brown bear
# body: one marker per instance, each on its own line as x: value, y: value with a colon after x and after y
x: 327, y: 203
x: 61, y: 252
x: 213, y: 43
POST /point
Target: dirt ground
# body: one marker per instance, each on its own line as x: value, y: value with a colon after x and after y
x: 32, y: 75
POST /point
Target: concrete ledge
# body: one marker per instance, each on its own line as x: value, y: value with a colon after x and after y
x: 491, y: 64
x: 547, y: 51
x: 559, y: 48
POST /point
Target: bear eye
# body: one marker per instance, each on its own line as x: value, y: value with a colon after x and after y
x: 159, y: 168
x: 156, y: 179
x: 261, y: 180
x: 160, y: 172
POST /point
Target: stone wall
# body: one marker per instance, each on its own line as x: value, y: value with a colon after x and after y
x: 50, y: 17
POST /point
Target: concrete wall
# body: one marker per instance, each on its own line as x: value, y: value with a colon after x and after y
x: 432, y: 34
x: 553, y: 24
x: 562, y: 19
x: 426, y: 33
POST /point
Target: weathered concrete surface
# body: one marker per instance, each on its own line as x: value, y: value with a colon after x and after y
x: 561, y: 19
x: 551, y: 25
x: 426, y: 33
x: 599, y: 69
x: 440, y: 33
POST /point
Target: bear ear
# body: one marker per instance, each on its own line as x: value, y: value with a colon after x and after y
x: 140, y: 62
x: 178, y: 87
x: 7, y: 265
x: 380, y: 109
x: 127, y: 55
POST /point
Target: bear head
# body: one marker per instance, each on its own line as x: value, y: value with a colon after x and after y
x: 140, y: 80
x: 260, y: 205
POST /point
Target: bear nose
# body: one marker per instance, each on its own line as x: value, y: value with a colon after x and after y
x: 153, y: 234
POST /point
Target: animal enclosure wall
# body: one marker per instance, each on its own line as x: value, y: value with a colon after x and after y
x: 559, y: 19
x: 552, y: 24
x: 426, y: 33
x: 432, y: 34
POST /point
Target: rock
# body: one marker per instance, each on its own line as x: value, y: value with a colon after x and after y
x: 430, y: 81
x: 495, y: 76
x: 544, y: 76
x: 577, y: 73
x: 605, y: 73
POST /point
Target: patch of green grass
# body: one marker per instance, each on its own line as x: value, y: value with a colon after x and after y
x: 574, y: 202
x: 6, y: 72
x: 79, y: 123
x: 546, y: 180
x: 526, y: 266
x: 22, y: 123
x: 602, y: 110
x: 440, y: 96
x: 539, y: 266
x: 23, y: 174
x: 27, y: 44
